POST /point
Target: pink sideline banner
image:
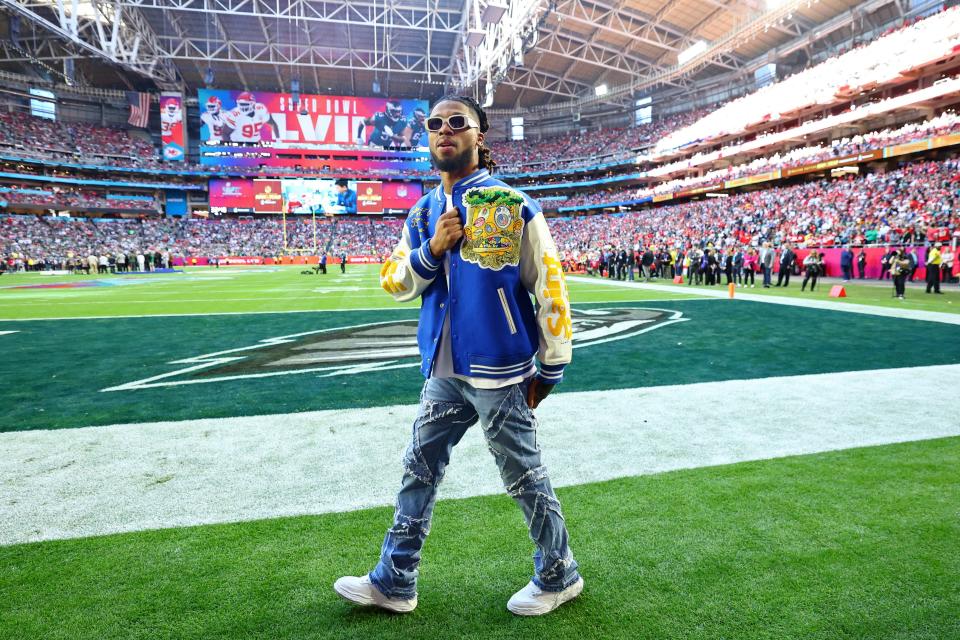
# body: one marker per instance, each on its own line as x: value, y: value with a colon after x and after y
x: 239, y: 261
x: 874, y: 256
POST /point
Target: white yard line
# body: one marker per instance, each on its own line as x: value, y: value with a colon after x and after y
x: 409, y: 306
x: 99, y: 480
x: 217, y: 313
x: 174, y: 300
x: 890, y: 312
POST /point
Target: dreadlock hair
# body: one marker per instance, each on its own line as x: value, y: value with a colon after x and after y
x: 486, y: 157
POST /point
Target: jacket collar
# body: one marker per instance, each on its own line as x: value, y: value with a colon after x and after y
x: 477, y: 176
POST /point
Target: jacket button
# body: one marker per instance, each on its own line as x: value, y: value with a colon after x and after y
x: 441, y: 305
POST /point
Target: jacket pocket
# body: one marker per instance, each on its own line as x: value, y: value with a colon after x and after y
x: 506, y: 311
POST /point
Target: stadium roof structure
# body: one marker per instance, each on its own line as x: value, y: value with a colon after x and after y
x: 521, y: 56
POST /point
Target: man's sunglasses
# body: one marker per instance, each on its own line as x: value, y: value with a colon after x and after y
x: 456, y: 122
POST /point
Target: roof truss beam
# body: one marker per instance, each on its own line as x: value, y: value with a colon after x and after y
x: 255, y: 52
x: 620, y: 22
x: 116, y: 32
x: 347, y: 12
x: 579, y: 50
x: 533, y: 80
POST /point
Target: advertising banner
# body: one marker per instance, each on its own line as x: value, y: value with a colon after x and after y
x: 754, y: 179
x: 231, y: 196
x: 176, y: 202
x: 398, y: 197
x: 172, y: 132
x: 909, y: 147
x: 699, y: 190
x: 243, y: 128
x: 369, y: 197
x: 824, y: 165
x: 267, y: 196
x: 874, y: 256
x: 945, y: 141
x: 311, y: 196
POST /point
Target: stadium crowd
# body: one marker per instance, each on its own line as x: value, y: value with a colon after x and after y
x: 832, y: 81
x: 584, y: 147
x: 946, y: 123
x: 49, y: 242
x: 892, y: 207
x: 836, y: 80
x: 32, y: 137
x: 77, y: 199
x: 899, y: 206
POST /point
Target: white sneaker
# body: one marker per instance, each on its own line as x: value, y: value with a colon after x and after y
x: 362, y: 591
x: 533, y: 601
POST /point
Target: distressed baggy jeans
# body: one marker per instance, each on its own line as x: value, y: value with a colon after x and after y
x: 448, y: 407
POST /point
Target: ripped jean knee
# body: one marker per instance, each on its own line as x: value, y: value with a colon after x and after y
x: 406, y: 527
x: 439, y: 425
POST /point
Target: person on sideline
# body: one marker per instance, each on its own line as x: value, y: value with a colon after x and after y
x: 474, y: 250
x: 933, y: 268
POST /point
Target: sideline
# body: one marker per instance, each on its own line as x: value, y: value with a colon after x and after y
x: 889, y: 312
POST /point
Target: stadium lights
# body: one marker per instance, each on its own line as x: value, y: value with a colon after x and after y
x: 600, y: 90
x: 493, y: 12
x: 488, y: 98
x: 691, y: 52
x: 85, y: 9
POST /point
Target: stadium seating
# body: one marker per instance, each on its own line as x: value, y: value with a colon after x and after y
x: 830, y: 82
x: 60, y: 238
x: 56, y: 197
x: 946, y: 123
x: 890, y: 207
x: 897, y: 206
x: 584, y: 148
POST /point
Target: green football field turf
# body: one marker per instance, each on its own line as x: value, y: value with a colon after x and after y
x: 868, y: 292
x: 73, y: 361
x: 856, y: 543
x: 225, y: 290
x: 267, y: 289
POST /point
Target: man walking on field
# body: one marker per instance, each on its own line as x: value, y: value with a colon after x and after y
x: 474, y: 251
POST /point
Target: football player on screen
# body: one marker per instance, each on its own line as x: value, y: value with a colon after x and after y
x: 247, y: 119
x: 416, y: 132
x: 212, y: 117
x: 171, y: 117
x: 388, y: 126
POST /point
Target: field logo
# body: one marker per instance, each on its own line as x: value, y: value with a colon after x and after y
x: 377, y: 346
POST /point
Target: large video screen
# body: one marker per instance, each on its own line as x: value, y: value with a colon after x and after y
x: 252, y: 129
x: 311, y: 196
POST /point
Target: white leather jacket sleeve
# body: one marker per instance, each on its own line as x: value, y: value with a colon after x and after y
x: 542, y: 275
x: 408, y: 271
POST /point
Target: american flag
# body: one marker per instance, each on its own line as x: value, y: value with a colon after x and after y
x: 139, y: 108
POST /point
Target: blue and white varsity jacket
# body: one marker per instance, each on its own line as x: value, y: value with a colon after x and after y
x: 508, y: 300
